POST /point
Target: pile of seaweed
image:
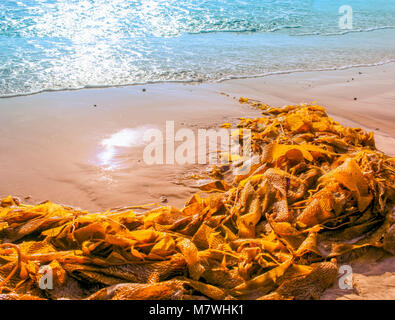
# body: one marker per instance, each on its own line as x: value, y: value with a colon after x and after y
x: 317, y: 191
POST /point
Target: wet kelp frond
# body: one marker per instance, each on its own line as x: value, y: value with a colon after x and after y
x: 317, y: 191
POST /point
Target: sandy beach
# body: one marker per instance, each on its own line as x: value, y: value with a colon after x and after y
x: 197, y: 150
x: 53, y: 142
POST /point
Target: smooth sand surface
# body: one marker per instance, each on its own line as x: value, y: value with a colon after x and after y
x: 54, y: 144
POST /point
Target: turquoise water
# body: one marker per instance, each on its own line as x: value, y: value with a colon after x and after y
x: 72, y: 44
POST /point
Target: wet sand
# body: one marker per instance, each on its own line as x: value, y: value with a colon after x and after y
x: 55, y: 145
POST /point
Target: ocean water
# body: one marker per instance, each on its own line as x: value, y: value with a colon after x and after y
x: 72, y: 44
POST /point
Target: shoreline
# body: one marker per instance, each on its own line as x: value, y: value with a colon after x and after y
x: 54, y: 139
x: 194, y: 82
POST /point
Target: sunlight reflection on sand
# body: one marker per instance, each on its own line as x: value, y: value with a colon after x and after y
x: 117, y: 144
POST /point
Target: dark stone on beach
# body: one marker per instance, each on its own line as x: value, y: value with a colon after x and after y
x: 144, y: 90
x: 95, y: 105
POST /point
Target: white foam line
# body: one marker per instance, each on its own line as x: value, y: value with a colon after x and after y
x: 343, y: 32
x: 199, y: 80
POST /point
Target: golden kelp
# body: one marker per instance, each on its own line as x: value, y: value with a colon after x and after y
x: 318, y: 191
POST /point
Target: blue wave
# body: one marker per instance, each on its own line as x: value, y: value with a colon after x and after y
x: 72, y: 44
